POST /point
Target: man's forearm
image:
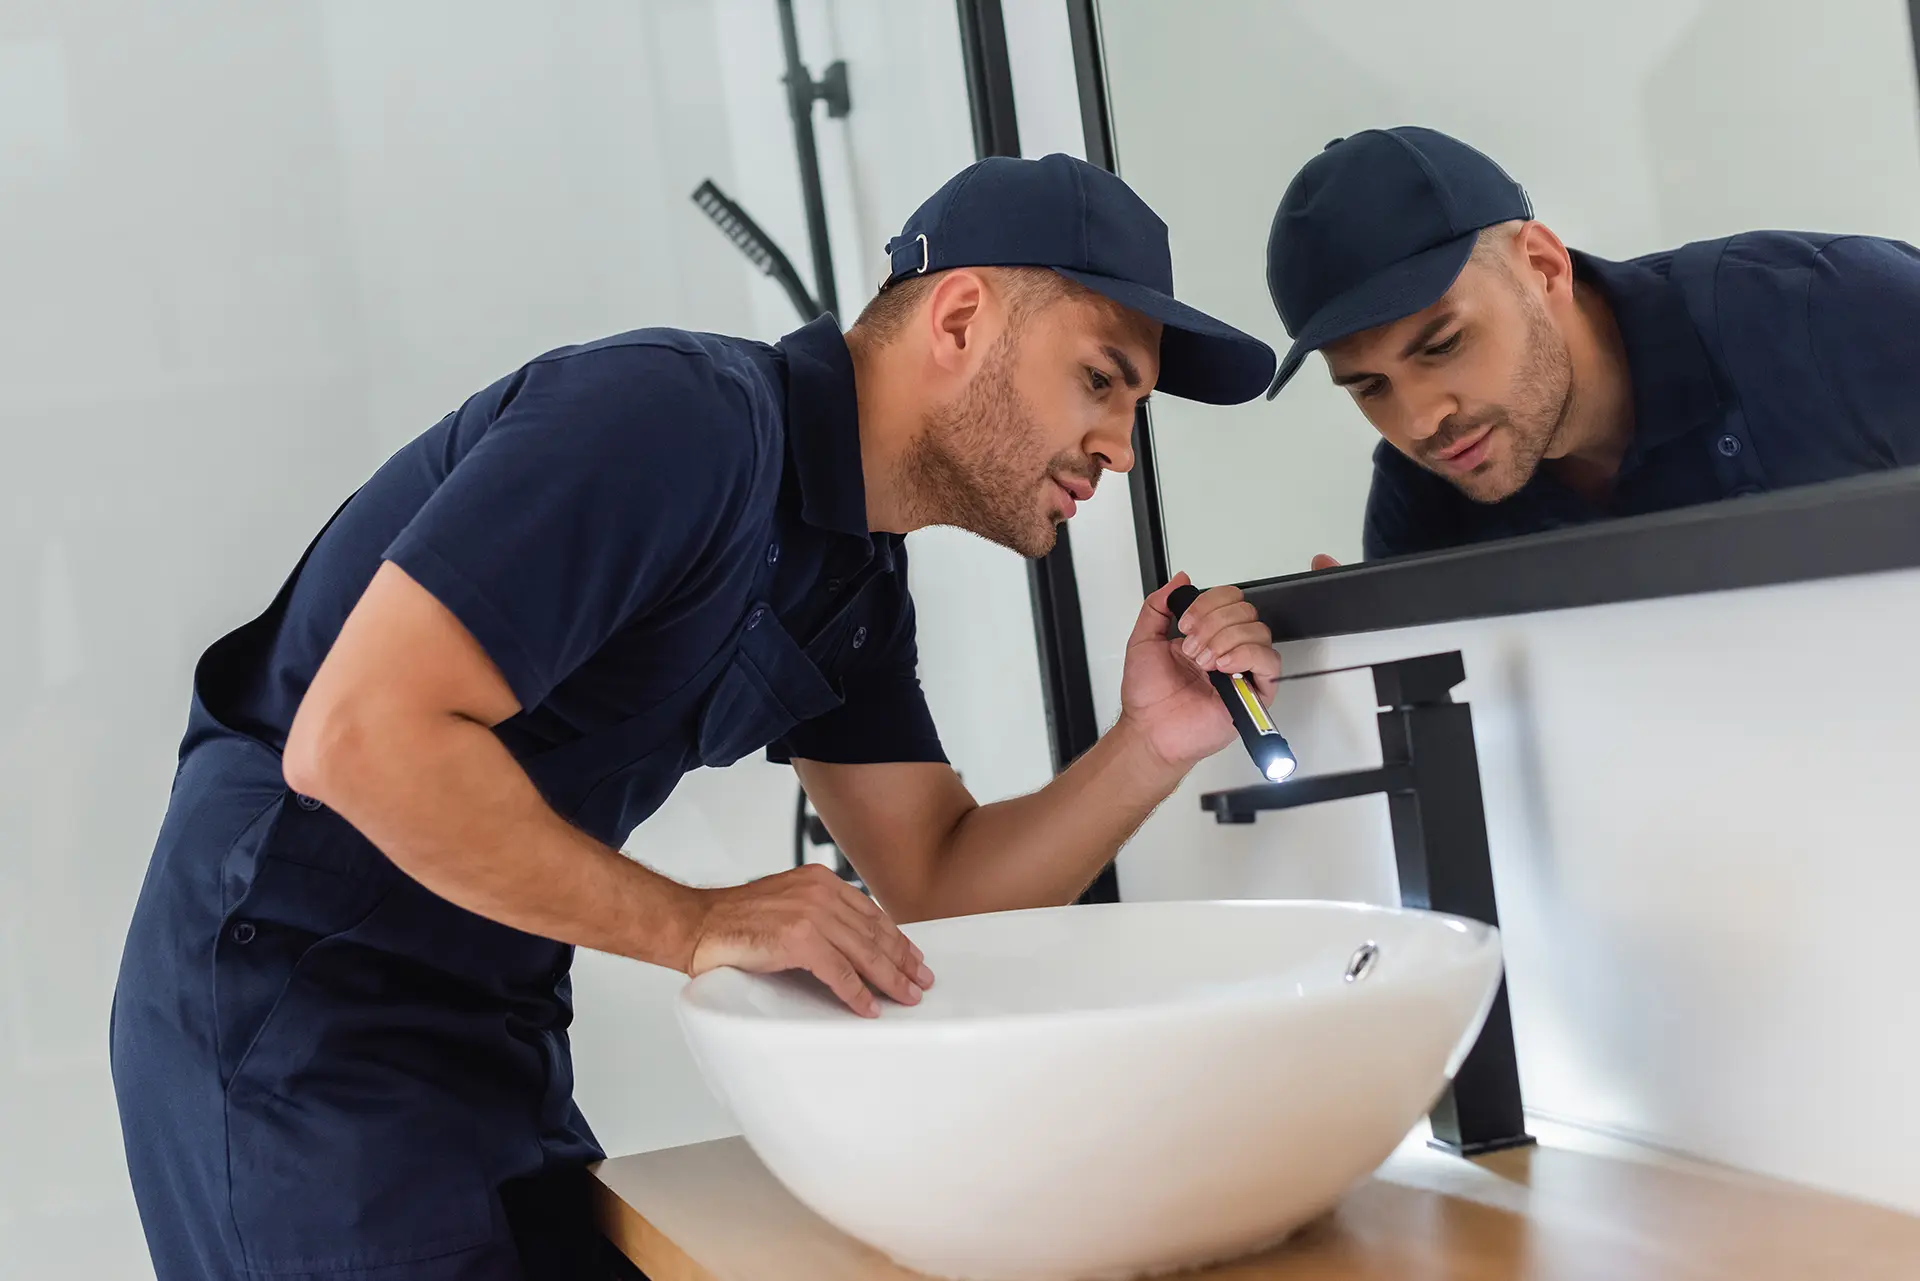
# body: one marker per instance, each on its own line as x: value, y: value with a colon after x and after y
x: 1045, y: 848
x: 451, y: 807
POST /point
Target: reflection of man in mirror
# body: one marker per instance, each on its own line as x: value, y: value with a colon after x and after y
x: 1523, y: 386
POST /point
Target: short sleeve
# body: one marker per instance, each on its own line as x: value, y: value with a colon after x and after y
x: 884, y: 719
x: 610, y: 476
x: 1863, y: 315
x: 885, y: 716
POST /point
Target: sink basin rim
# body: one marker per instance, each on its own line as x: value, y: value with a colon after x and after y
x: 1256, y: 992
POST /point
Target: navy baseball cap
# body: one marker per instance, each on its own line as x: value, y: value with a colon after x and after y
x: 1377, y: 227
x: 1089, y: 226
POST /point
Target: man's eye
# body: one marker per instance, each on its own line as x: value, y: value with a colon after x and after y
x: 1371, y: 388
x: 1099, y: 380
x: 1442, y: 348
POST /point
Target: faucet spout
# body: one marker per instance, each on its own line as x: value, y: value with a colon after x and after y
x: 1244, y: 804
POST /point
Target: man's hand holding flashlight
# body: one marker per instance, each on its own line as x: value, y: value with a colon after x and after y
x: 1165, y: 691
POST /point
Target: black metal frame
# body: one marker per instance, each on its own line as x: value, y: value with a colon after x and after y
x: 1430, y: 775
x: 1913, y: 24
x: 1751, y: 542
x: 1097, y: 133
x: 1066, y: 681
x: 1857, y: 525
x: 802, y: 92
x: 1096, y: 127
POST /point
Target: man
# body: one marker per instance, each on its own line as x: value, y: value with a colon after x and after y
x: 1523, y: 386
x: 339, y: 1037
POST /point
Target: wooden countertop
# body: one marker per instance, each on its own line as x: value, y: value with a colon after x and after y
x: 711, y: 1212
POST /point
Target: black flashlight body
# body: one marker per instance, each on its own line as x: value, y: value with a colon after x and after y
x: 1265, y: 744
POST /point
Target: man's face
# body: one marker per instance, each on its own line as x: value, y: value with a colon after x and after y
x: 1474, y: 388
x: 1049, y: 409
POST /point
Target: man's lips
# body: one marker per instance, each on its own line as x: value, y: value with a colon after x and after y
x: 1466, y: 453
x: 1075, y: 491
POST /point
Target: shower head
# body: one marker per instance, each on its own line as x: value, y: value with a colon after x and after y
x: 758, y: 247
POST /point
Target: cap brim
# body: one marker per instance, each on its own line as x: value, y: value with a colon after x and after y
x: 1410, y: 285
x: 1201, y: 358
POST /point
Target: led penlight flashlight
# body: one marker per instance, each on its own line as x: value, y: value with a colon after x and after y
x: 1265, y: 744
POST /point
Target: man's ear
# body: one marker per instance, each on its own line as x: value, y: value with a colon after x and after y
x: 955, y: 311
x: 1544, y: 256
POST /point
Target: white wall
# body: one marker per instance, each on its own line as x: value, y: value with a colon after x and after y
x: 1702, y: 822
x: 253, y: 248
x: 1635, y: 125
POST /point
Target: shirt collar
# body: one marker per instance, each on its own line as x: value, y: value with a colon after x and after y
x: 823, y: 431
x: 1674, y: 388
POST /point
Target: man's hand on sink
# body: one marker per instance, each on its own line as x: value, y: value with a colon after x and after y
x: 809, y: 919
x: 1323, y: 561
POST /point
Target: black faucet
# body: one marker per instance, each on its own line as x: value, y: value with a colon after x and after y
x: 1431, y: 777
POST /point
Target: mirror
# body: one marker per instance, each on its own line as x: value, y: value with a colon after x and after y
x: 1634, y: 128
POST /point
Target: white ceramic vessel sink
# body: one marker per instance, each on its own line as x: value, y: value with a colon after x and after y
x: 1102, y: 1091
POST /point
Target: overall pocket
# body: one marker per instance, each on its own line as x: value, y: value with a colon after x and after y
x: 348, y: 1146
x: 340, y: 1154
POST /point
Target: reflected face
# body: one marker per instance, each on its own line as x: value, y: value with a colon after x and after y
x: 1048, y: 410
x: 1474, y: 389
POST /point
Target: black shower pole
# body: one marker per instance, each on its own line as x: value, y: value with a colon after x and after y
x: 802, y: 92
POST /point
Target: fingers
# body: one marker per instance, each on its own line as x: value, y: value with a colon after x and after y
x: 1324, y: 561
x: 866, y: 914
x: 893, y: 947
x: 1214, y: 632
x: 1224, y: 633
x: 1256, y: 657
x: 1155, y: 614
x: 1159, y: 598
x: 820, y: 958
x: 1208, y: 604
x: 1240, y: 649
x: 881, y: 965
x: 809, y: 919
x: 848, y: 943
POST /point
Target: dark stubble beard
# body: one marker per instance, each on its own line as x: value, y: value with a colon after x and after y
x: 1543, y: 397
x: 979, y: 462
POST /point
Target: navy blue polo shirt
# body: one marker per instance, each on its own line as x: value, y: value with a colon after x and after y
x: 601, y: 520
x: 1759, y: 362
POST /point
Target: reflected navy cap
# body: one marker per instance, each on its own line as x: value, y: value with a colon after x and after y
x: 1377, y: 227
x: 1090, y: 227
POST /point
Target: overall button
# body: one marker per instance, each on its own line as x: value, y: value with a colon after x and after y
x: 773, y: 554
x: 859, y: 637
x: 1729, y: 446
x: 243, y: 933
x: 305, y: 802
x: 753, y: 619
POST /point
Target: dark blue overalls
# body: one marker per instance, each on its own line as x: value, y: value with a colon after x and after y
x: 325, y: 1070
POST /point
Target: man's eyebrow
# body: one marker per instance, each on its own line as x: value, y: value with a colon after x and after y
x: 1428, y: 332
x: 1129, y: 372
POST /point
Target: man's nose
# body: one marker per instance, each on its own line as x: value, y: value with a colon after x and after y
x: 1112, y: 449
x: 1426, y: 416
